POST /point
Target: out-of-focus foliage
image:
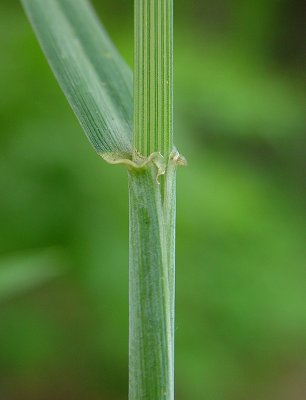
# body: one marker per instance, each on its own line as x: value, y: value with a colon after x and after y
x: 24, y: 272
x: 241, y: 277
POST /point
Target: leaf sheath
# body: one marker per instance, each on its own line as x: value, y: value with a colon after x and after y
x: 151, y: 334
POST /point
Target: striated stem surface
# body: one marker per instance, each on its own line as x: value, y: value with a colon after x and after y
x: 153, y: 77
x: 152, y: 207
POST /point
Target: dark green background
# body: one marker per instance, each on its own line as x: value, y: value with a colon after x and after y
x: 241, y: 254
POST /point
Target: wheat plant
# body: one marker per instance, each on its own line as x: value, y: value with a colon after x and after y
x: 128, y: 124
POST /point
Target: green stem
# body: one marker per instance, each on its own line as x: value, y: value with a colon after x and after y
x: 152, y: 208
x: 151, y: 314
x: 169, y: 207
x: 153, y: 77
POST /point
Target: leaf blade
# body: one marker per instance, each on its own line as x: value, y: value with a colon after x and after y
x: 93, y: 76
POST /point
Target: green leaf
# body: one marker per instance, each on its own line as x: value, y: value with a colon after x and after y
x: 92, y: 74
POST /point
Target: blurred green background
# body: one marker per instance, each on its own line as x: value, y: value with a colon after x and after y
x: 241, y: 254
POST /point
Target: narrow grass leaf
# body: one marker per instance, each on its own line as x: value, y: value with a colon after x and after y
x: 92, y: 74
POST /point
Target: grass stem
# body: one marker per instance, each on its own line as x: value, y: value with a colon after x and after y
x: 153, y: 77
x: 152, y: 208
